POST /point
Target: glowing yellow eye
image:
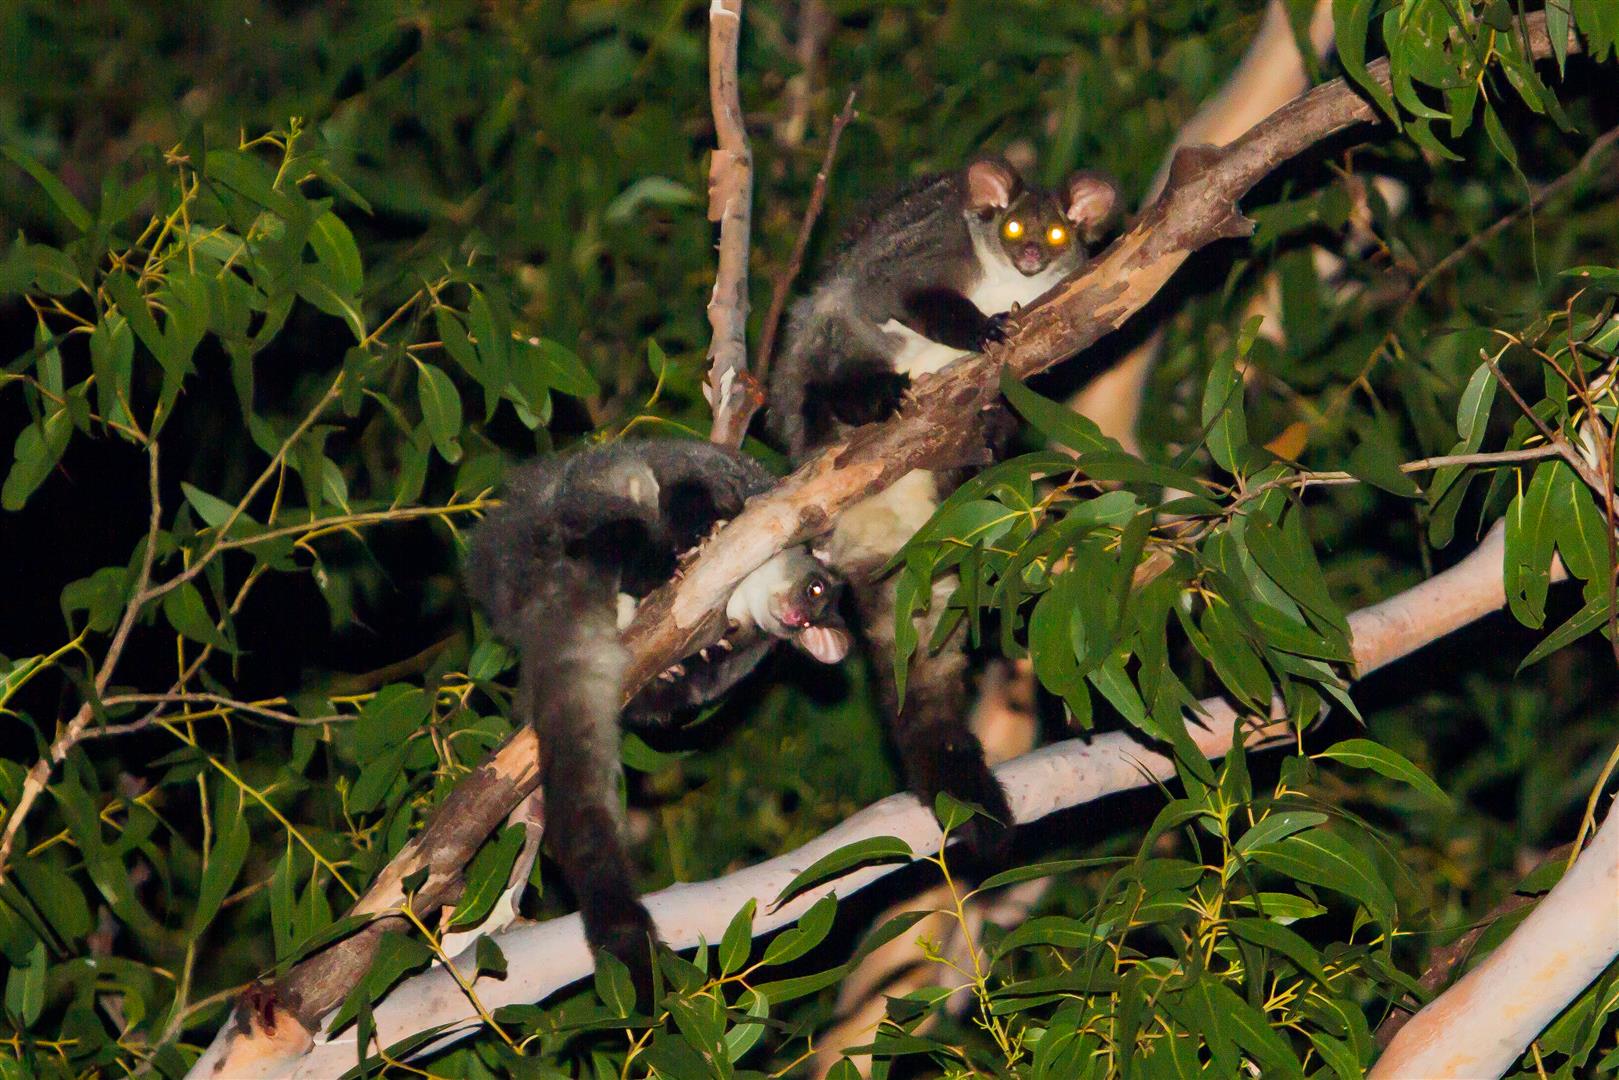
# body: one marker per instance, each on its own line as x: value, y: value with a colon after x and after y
x: 1014, y: 228
x: 1056, y: 235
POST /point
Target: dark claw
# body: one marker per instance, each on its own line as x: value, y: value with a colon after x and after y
x: 995, y: 329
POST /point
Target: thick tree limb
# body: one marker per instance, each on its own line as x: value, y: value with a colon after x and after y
x: 732, y: 393
x: 1443, y: 961
x: 1480, y: 1025
x: 1198, y: 207
x: 543, y: 957
x: 1271, y: 73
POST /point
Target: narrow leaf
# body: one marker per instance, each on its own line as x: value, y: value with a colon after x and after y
x: 875, y: 849
x: 1366, y: 754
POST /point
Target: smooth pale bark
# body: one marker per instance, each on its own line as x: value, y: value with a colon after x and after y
x: 1483, y: 1023
x: 1270, y: 74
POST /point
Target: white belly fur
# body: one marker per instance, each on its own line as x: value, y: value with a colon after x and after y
x: 1000, y: 286
x: 626, y: 609
x: 917, y: 355
x: 873, y: 529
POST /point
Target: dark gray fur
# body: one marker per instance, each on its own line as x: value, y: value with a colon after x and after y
x: 914, y: 260
x: 546, y: 568
x: 918, y: 238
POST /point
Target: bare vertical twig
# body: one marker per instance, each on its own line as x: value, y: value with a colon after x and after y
x: 732, y: 393
x: 784, y: 283
x: 814, y: 27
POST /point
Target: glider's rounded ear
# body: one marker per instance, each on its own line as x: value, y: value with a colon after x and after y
x: 990, y: 185
x: 1091, y: 200
x: 828, y: 644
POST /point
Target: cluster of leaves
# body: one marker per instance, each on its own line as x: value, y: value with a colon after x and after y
x: 1182, y: 964
x: 1456, y: 52
x: 308, y: 320
x: 124, y: 317
x: 1081, y: 574
x: 1261, y: 613
x: 1554, y: 511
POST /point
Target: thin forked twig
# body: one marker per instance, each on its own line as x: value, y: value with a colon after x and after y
x: 1567, y: 450
x: 219, y: 702
x: 784, y: 283
x: 1594, y: 153
x: 40, y: 773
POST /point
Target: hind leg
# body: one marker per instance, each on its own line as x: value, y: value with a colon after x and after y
x: 930, y: 727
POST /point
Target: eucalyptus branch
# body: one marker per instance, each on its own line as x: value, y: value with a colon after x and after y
x: 1197, y: 208
x: 39, y: 773
x: 144, y: 592
x: 310, y: 530
x: 1307, y: 478
x: 1481, y: 1025
x: 222, y: 705
x: 1599, y: 149
x: 1443, y: 961
x: 1554, y: 438
x: 219, y: 543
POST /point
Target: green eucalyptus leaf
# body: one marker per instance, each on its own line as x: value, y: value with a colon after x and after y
x: 441, y: 410
x: 1530, y: 540
x: 1366, y: 754
x: 70, y: 207
x: 873, y: 849
x: 336, y: 250
x: 487, y: 878
x: 738, y: 939
x: 1323, y: 858
x: 186, y: 612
